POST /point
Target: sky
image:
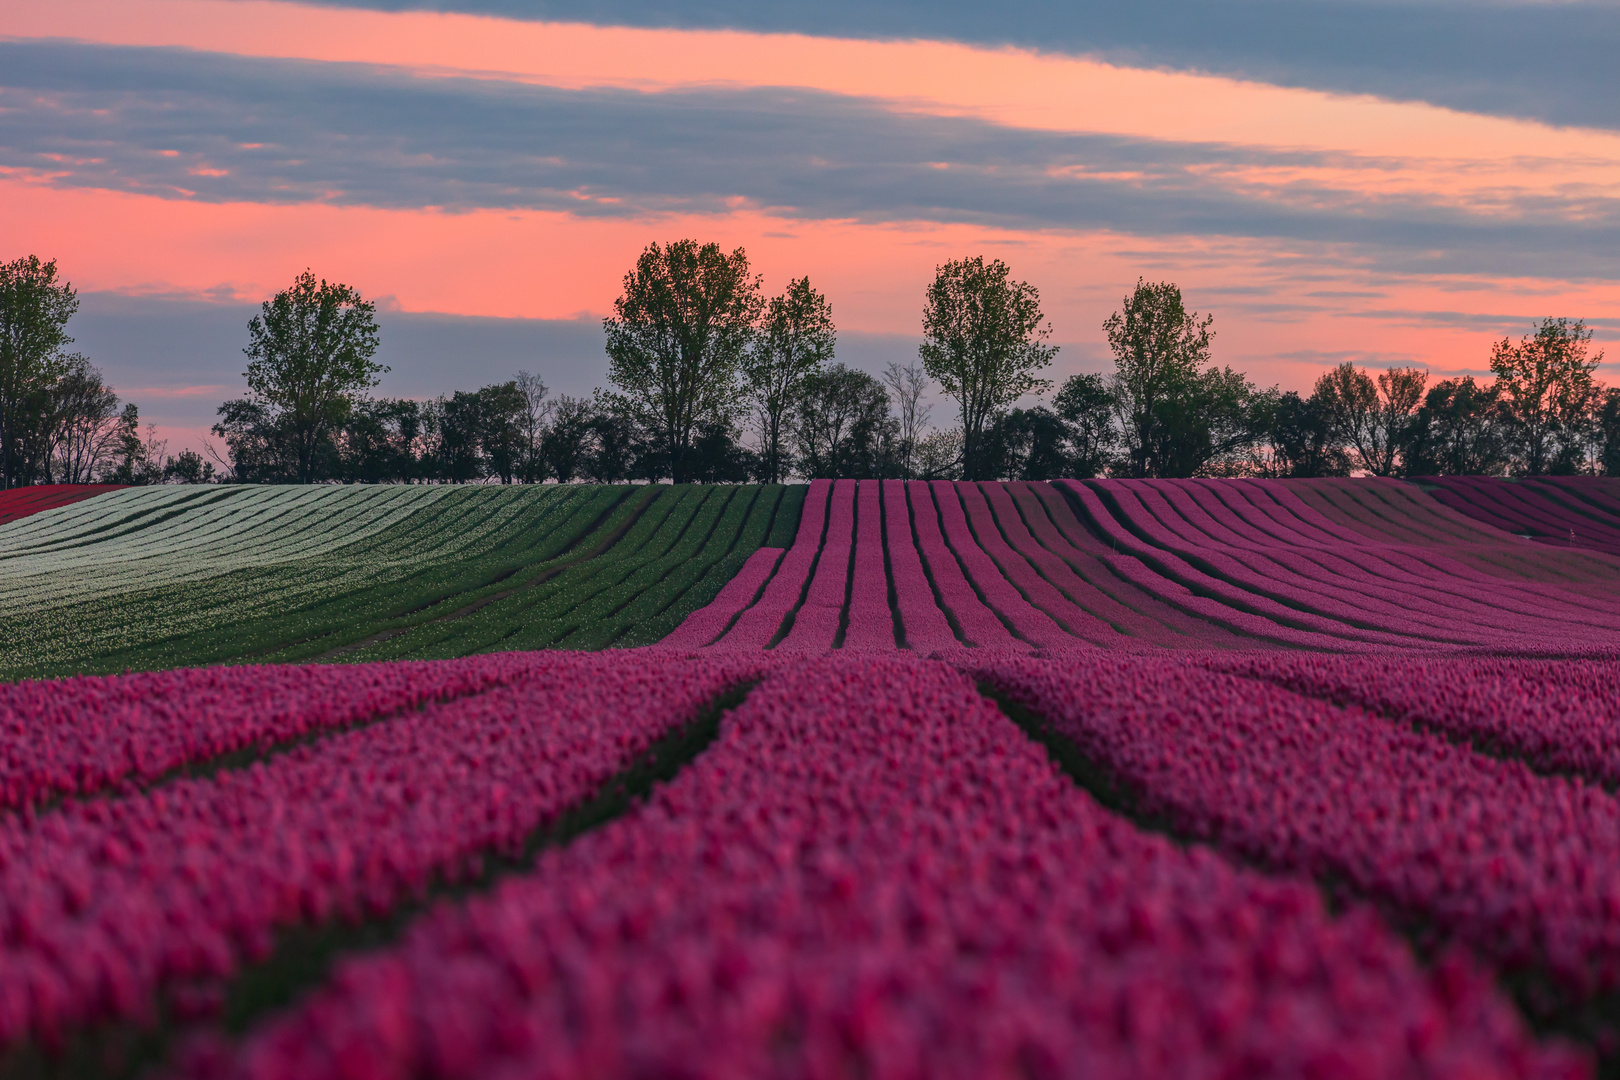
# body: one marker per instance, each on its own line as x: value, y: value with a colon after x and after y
x: 1364, y: 180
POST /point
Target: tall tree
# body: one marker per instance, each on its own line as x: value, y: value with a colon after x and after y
x: 1028, y: 444
x: 909, y: 382
x: 844, y: 429
x: 1375, y: 416
x: 310, y: 353
x: 1160, y: 350
x: 1545, y: 387
x: 85, y: 424
x: 1086, y: 406
x: 677, y: 339
x: 139, y: 461
x: 1305, y: 437
x: 1179, y: 414
x: 984, y: 340
x: 501, y: 414
x: 796, y: 339
x: 1457, y: 432
x: 532, y: 424
x: 567, y: 443
x: 34, y: 313
x: 1608, y: 430
x: 379, y: 442
x: 614, y: 446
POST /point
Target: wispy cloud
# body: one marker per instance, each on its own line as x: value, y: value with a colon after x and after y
x: 181, y: 125
x: 1543, y: 61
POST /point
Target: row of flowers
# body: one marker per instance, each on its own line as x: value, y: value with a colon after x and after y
x: 1584, y: 516
x: 1557, y: 716
x: 1230, y: 528
x: 84, y: 735
x: 106, y: 902
x: 872, y: 872
x: 1522, y: 868
x: 24, y: 502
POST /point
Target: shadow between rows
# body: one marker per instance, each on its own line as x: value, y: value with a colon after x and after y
x: 303, y: 956
x: 559, y: 562
x: 1546, y: 1009
x: 243, y: 757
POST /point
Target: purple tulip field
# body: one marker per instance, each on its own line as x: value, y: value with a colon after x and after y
x: 1201, y: 778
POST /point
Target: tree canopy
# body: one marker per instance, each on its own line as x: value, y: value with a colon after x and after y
x: 796, y: 339
x: 677, y: 340
x: 1176, y: 414
x: 984, y: 339
x: 310, y: 359
x: 1544, y: 385
x: 34, y: 313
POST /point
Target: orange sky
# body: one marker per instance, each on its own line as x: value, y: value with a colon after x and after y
x: 1285, y: 308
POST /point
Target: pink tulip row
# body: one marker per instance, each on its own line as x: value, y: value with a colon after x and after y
x: 872, y: 873
x: 22, y: 502
x: 84, y: 735
x: 1600, y: 493
x: 1023, y: 618
x: 1237, y: 524
x: 1444, y: 547
x: 1021, y: 572
x: 815, y: 624
x: 1522, y: 868
x: 1132, y: 564
x: 1558, y: 716
x: 871, y: 620
x: 103, y: 903
x: 758, y: 626
x: 979, y: 623
x: 924, y: 625
x: 710, y: 621
x: 1527, y: 508
x: 1290, y: 597
x: 1031, y: 534
x: 1167, y: 575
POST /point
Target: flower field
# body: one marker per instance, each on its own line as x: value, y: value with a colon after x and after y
x: 20, y: 502
x: 1341, y: 566
x: 1565, y: 511
x: 1090, y: 778
x: 183, y: 576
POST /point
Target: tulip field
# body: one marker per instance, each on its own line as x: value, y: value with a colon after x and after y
x: 191, y: 575
x: 1104, y: 778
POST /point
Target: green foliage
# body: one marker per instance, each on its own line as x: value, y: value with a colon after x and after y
x: 1304, y: 435
x: 677, y: 340
x: 984, y: 340
x: 844, y: 425
x: 1177, y: 416
x: 468, y: 569
x: 1457, y: 432
x: 1545, y: 389
x: 310, y: 355
x: 796, y: 340
x: 1374, y: 417
x: 34, y: 313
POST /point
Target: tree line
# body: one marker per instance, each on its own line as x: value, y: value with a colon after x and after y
x: 714, y: 381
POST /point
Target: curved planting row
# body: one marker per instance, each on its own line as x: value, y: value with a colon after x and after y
x: 1556, y: 716
x: 21, y: 502
x: 1519, y: 868
x: 178, y: 576
x: 106, y: 904
x: 871, y: 872
x: 85, y: 735
x: 1348, y: 566
x: 1573, y: 512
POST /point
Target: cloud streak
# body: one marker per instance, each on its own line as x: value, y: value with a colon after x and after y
x: 1552, y: 62
x: 208, y: 127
